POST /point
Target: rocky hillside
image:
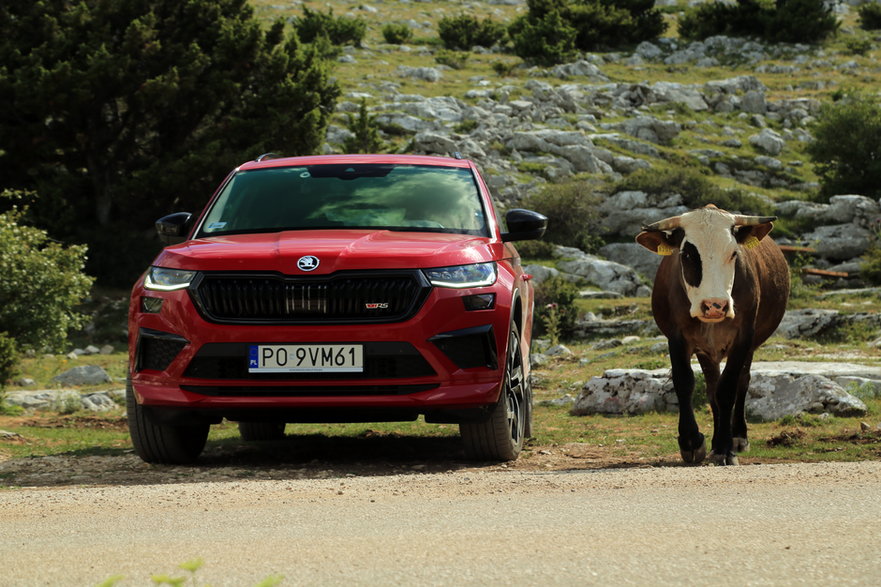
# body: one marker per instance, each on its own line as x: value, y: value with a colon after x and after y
x: 735, y: 110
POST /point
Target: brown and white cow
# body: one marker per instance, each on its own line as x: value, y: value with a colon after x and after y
x: 720, y: 292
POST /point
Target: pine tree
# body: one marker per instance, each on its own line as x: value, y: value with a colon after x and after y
x: 119, y: 111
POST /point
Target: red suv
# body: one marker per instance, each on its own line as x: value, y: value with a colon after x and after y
x: 352, y: 288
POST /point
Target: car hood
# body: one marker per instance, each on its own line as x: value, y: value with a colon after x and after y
x: 336, y: 250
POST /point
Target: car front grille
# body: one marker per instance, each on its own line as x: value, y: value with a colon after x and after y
x: 339, y: 298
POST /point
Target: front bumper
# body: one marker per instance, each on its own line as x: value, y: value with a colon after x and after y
x: 444, y: 363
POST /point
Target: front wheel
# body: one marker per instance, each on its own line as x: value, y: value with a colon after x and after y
x: 500, y: 436
x: 162, y: 443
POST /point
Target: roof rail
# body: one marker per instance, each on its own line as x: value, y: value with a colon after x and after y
x: 266, y: 156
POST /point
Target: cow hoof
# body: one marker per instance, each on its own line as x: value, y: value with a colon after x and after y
x: 740, y: 445
x: 696, y: 455
x: 724, y: 460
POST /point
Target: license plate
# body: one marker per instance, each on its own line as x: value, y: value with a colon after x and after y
x: 306, y: 358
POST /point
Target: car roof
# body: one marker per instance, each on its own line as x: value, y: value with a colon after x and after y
x: 269, y: 161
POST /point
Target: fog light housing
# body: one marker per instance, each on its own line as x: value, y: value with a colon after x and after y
x: 484, y: 301
x: 151, y: 305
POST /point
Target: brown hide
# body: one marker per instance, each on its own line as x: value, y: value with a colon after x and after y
x: 760, y: 293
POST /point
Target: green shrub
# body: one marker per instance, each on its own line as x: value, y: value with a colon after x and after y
x: 365, y: 133
x: 604, y: 24
x: 339, y: 30
x: 396, y: 33
x: 573, y: 216
x: 453, y: 59
x: 552, y: 30
x: 846, y: 150
x: 42, y: 282
x: 870, y: 16
x: 8, y: 360
x: 555, y: 303
x: 464, y: 31
x: 696, y: 190
x: 503, y: 69
x: 790, y: 21
x: 540, y: 249
x: 545, y: 41
x: 858, y: 45
x: 800, y: 21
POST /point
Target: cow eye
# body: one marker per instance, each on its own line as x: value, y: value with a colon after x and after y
x: 734, y: 255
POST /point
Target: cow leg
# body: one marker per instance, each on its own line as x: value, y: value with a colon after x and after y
x: 726, y: 394
x: 740, y: 441
x: 711, y: 379
x: 692, y: 444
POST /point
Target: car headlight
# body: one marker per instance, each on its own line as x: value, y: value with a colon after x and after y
x: 461, y: 276
x: 163, y: 279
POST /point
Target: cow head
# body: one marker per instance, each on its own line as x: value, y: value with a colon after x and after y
x: 709, y: 241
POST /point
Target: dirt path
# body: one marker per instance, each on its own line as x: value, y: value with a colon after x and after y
x: 772, y: 524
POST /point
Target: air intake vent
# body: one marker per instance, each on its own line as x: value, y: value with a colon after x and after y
x: 340, y: 298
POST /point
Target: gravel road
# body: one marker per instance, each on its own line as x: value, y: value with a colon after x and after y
x: 762, y: 524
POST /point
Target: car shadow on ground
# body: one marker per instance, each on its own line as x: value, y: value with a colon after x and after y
x: 311, y: 456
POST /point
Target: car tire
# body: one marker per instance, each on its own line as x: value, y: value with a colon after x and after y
x: 162, y: 443
x: 501, y: 435
x: 261, y: 431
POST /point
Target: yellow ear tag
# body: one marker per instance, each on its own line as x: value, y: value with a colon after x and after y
x: 751, y: 242
x: 664, y: 249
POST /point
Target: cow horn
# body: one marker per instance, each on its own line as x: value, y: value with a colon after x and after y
x: 753, y: 220
x: 665, y: 224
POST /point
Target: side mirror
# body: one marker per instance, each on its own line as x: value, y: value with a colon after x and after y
x: 173, y: 229
x: 524, y: 225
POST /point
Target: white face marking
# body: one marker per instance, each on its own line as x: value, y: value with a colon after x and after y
x: 709, y: 231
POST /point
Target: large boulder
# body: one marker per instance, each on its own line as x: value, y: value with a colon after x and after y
x: 633, y: 255
x: 840, y: 241
x: 776, y: 390
x: 606, y: 275
x: 768, y: 141
x: 772, y: 397
x: 83, y: 375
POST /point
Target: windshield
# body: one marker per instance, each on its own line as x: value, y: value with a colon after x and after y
x: 379, y: 196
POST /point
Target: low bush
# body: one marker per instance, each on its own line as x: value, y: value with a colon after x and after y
x: 8, y: 360
x: 553, y: 30
x: 42, y: 283
x: 339, y: 30
x: 846, y: 146
x: 452, y: 59
x: 461, y: 33
x: 555, y: 307
x: 870, y: 16
x: 365, y: 133
x: 396, y: 33
x: 790, y: 21
x: 573, y: 216
x: 545, y: 41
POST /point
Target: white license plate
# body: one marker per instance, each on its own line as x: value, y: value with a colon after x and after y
x: 306, y: 358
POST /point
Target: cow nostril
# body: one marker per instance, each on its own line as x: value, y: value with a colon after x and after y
x: 714, y: 306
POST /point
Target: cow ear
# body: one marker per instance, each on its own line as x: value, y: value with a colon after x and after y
x: 750, y: 236
x: 656, y: 241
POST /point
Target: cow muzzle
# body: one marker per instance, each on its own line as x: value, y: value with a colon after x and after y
x: 714, y: 310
